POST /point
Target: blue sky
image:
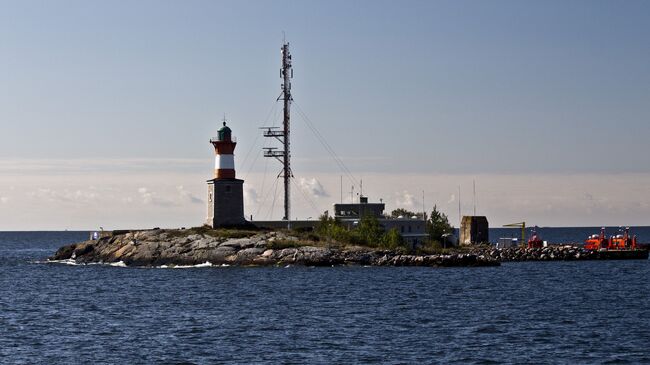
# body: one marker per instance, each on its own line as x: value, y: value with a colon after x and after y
x: 125, y: 94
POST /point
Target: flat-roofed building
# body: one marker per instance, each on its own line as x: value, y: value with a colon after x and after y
x: 412, y: 229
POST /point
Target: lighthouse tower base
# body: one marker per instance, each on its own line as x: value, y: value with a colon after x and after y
x: 226, y: 203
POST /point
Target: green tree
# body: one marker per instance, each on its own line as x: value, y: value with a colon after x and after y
x: 324, y: 224
x: 369, y: 230
x: 330, y: 229
x: 406, y: 213
x: 401, y: 211
x: 438, y: 224
x: 392, y: 239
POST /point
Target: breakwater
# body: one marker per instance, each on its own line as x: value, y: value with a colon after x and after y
x: 556, y: 253
x: 179, y: 247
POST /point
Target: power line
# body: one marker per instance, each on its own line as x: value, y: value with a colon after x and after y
x: 326, y: 145
x: 274, y: 107
x: 306, y: 196
x: 275, y: 194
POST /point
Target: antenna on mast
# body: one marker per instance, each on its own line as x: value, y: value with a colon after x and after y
x: 474, y: 186
x: 460, y: 217
x: 360, y: 189
x: 424, y: 212
x: 284, y: 156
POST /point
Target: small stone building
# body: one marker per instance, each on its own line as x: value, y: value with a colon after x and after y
x: 473, y: 230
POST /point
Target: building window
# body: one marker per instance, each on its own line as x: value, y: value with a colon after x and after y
x: 409, y: 229
x: 210, y: 196
x: 402, y: 229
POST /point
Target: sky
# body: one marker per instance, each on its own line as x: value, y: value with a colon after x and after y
x: 106, y: 108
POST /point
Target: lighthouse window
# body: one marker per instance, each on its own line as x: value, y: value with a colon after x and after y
x: 209, y: 197
x: 228, y: 188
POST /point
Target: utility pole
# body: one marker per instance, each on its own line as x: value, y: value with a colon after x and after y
x: 284, y: 156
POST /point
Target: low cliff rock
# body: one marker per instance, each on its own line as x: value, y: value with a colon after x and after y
x: 184, y: 247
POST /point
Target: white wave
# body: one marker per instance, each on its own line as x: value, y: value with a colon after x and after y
x: 72, y: 262
x: 65, y: 262
x: 205, y: 264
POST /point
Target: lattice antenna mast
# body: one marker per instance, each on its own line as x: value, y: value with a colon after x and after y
x: 284, y: 156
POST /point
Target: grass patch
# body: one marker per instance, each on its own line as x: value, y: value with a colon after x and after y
x: 217, y: 233
x: 435, y: 248
x: 279, y: 244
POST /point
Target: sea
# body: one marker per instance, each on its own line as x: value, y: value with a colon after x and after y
x: 519, y: 313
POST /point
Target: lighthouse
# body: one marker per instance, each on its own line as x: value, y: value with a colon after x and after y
x: 225, y: 191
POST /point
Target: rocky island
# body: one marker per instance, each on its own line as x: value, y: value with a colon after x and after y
x: 202, y: 245
x: 196, y: 246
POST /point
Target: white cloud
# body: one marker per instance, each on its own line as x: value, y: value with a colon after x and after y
x: 149, y: 197
x: 452, y: 199
x: 251, y: 198
x: 187, y: 196
x: 63, y: 167
x: 4, y: 199
x: 405, y: 199
x: 313, y: 187
x: 117, y: 201
x: 64, y: 196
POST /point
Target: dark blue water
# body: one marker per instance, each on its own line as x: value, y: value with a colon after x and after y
x: 545, y: 312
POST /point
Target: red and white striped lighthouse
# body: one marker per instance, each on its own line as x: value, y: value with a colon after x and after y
x: 224, y: 148
x: 225, y: 192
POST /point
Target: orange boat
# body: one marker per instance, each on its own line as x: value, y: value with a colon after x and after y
x: 597, y: 241
x: 619, y: 242
x: 623, y: 241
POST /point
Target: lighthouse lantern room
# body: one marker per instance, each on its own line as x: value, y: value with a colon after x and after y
x: 225, y: 191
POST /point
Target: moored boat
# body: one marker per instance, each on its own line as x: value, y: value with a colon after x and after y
x: 622, y: 246
x: 535, y: 241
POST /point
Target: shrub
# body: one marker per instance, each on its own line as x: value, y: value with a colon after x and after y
x: 392, y: 240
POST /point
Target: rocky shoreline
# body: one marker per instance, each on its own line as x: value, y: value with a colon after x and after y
x: 154, y: 248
